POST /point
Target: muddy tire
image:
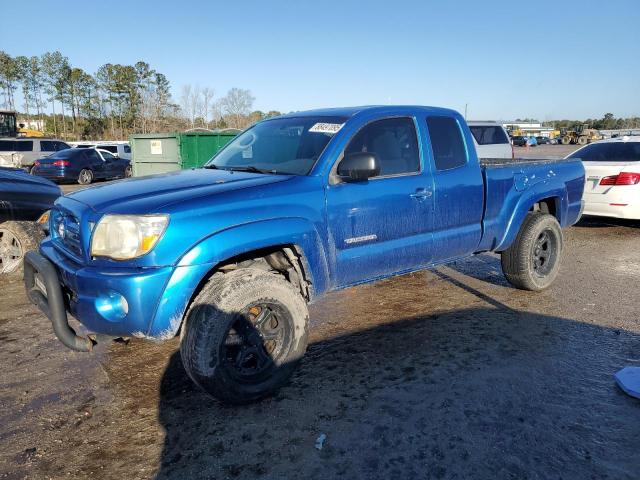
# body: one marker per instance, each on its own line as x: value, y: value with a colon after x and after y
x: 85, y: 177
x: 244, y: 335
x: 533, y: 260
x: 565, y: 140
x: 583, y: 140
x: 16, y: 239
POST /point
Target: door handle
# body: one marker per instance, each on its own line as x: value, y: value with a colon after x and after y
x: 420, y: 194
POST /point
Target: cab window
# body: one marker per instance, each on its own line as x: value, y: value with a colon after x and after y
x: 446, y: 142
x: 393, y: 141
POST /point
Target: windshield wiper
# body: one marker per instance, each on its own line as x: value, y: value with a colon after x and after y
x: 248, y: 168
x: 212, y: 166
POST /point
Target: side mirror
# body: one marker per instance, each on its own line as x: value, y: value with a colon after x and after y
x: 359, y: 166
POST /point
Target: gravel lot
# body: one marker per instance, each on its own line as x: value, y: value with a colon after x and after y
x: 449, y: 373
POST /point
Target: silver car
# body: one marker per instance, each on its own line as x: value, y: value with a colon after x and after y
x: 23, y: 152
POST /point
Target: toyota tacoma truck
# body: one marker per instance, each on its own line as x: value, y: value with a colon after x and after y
x: 228, y: 256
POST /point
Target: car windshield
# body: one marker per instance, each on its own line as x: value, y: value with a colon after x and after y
x: 609, y: 152
x: 280, y: 146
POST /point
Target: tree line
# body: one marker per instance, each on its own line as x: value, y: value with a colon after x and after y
x: 115, y: 101
x: 608, y: 122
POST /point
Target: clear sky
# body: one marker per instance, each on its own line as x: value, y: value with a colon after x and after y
x: 542, y: 59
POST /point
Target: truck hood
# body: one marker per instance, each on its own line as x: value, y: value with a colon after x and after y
x: 154, y: 193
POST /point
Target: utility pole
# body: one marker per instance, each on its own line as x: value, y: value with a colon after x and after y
x: 465, y: 111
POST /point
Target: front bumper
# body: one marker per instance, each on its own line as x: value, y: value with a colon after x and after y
x: 43, y: 289
x: 156, y: 298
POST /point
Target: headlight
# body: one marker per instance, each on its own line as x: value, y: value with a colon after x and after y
x: 123, y: 237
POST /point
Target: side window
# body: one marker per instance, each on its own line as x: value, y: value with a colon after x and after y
x: 446, y: 142
x: 92, y: 155
x: 47, y: 146
x: 6, y: 146
x: 127, y: 149
x: 107, y: 156
x: 61, y: 146
x: 395, y: 143
x: 109, y: 148
x: 24, y: 146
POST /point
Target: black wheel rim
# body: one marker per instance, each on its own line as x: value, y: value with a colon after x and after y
x: 544, y: 253
x: 258, y: 341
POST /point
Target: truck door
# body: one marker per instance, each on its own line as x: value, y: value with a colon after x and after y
x: 383, y: 225
x: 459, y: 189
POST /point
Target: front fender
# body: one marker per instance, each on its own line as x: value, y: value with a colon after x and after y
x: 198, y: 262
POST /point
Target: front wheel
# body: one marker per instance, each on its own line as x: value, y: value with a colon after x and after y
x: 533, y: 260
x: 128, y: 172
x: 244, y: 335
x: 16, y: 239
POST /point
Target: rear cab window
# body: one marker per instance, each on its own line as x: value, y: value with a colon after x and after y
x: 447, y: 144
x: 488, y: 134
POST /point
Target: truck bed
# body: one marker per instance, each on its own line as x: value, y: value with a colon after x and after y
x: 502, y: 162
x: 511, y: 186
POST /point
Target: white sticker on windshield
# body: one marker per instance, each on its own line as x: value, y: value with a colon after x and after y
x: 248, y: 152
x: 326, y: 128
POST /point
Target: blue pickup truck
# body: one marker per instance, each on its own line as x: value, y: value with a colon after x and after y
x: 228, y: 256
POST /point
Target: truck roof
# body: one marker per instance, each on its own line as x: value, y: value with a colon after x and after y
x: 382, y: 109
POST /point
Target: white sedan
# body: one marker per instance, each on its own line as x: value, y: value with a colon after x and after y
x: 612, y: 170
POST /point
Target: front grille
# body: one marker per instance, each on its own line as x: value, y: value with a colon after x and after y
x: 66, y: 232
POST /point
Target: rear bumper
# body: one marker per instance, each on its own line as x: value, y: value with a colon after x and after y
x: 628, y: 211
x: 54, y: 173
x: 623, y: 202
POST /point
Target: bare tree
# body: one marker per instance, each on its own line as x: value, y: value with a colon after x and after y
x: 237, y: 105
x: 191, y: 103
x: 207, y: 100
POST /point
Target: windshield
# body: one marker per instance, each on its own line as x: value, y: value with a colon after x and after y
x: 283, y: 145
x: 609, y: 152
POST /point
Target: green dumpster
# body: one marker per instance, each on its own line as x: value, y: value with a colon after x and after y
x: 165, y: 152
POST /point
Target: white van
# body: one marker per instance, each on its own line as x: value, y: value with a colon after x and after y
x: 491, y: 140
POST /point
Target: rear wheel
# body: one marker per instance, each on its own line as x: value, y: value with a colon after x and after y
x: 16, y: 239
x: 583, y: 140
x: 85, y: 177
x: 533, y: 260
x: 244, y: 335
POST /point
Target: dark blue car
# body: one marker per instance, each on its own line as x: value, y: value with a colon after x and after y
x: 23, y: 199
x: 82, y: 165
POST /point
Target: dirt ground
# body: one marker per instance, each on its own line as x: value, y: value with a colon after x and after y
x: 449, y: 373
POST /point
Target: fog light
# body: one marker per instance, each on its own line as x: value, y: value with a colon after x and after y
x: 112, y: 306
